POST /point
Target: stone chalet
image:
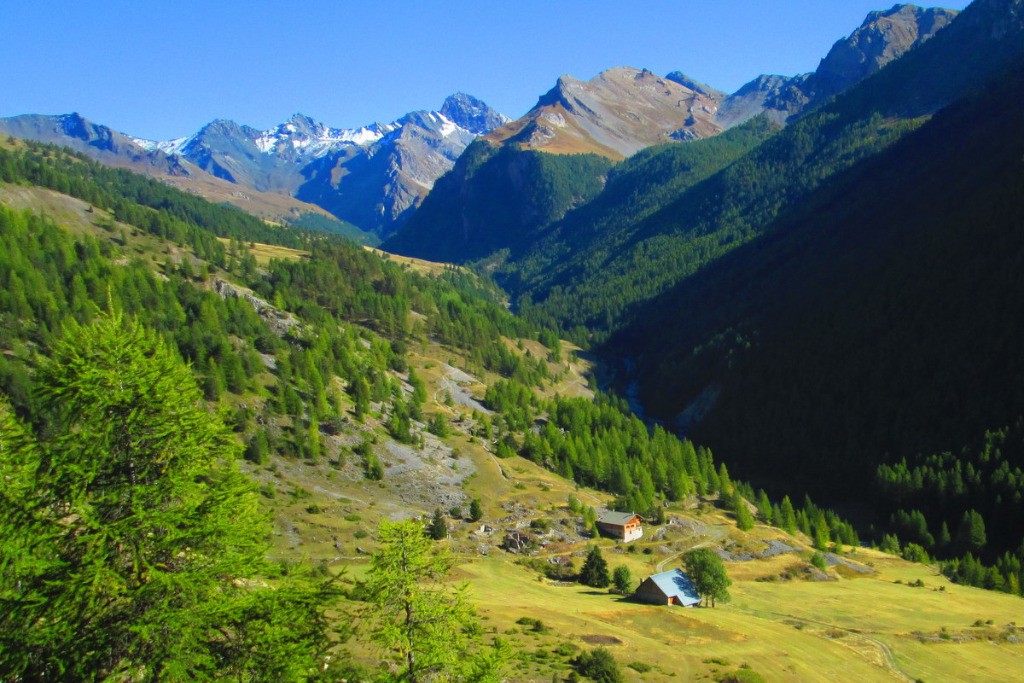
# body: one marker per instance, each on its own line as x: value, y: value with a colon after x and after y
x: 668, y: 588
x: 624, y: 525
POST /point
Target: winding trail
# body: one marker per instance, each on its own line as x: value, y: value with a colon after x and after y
x: 888, y: 658
x: 714, y: 534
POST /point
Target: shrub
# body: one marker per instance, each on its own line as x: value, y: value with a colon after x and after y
x: 744, y: 675
x: 536, y: 625
x: 598, y: 665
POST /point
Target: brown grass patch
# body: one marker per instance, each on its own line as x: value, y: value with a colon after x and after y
x: 594, y: 639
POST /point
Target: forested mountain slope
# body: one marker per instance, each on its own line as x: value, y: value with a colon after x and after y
x: 693, y: 225
x: 619, y: 113
x: 876, y: 320
x: 498, y: 198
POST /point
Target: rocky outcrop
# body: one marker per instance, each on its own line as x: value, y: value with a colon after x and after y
x: 883, y: 37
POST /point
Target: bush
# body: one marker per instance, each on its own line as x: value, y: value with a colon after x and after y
x: 598, y: 665
x: 536, y: 625
x: 915, y: 553
x: 744, y: 675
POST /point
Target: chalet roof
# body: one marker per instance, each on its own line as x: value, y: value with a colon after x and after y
x: 677, y: 584
x: 616, y: 518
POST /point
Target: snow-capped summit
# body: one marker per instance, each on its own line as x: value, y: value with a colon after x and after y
x: 371, y: 176
x: 314, y: 139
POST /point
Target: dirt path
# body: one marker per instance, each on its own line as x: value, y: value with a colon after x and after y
x: 887, y: 657
x: 714, y: 534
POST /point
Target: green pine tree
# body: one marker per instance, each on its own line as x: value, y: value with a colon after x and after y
x: 786, y: 518
x: 476, y: 511
x: 438, y: 528
x: 744, y: 519
x: 595, y: 570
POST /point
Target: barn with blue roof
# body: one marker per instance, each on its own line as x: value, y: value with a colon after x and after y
x: 668, y: 588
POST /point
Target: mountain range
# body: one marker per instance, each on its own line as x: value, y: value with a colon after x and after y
x: 623, y: 110
x: 374, y: 178
x: 613, y: 116
x: 371, y: 177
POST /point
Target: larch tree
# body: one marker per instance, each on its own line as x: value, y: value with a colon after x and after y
x: 744, y: 518
x: 424, y: 626
x: 131, y: 546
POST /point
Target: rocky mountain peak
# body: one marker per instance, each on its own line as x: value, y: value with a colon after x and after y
x: 471, y: 114
x: 615, y: 114
x: 303, y: 125
x: 884, y: 36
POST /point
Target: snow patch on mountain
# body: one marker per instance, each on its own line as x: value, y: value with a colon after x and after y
x: 313, y: 139
x: 167, y: 146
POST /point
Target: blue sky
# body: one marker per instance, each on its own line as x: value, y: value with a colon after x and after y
x: 162, y: 69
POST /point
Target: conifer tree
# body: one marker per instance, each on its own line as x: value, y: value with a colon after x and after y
x: 786, y: 518
x: 970, y: 535
x: 438, y: 528
x: 595, y: 570
x: 764, y: 506
x: 132, y: 546
x: 744, y: 519
x: 422, y: 623
x: 476, y: 511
